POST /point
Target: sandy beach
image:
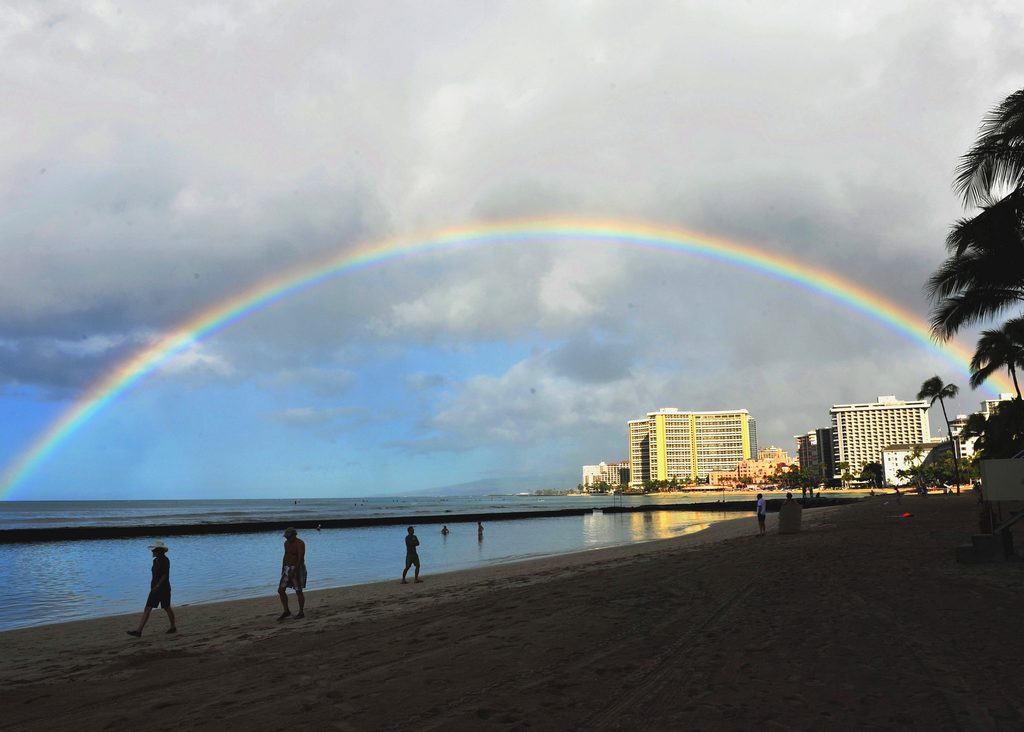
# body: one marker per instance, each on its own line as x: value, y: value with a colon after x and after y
x: 863, y: 620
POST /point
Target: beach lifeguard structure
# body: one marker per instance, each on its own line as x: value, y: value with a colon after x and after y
x: 1002, y: 486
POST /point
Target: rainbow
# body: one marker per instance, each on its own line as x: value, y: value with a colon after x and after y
x: 270, y: 291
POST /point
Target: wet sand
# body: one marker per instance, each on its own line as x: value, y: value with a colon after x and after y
x: 862, y: 621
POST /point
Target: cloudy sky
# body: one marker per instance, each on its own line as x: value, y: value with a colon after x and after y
x: 156, y: 159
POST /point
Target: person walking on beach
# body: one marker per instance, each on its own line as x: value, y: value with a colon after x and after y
x: 411, y: 555
x: 761, y: 513
x: 159, y: 589
x: 293, y: 572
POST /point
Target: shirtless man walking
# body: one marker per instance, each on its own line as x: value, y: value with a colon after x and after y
x: 293, y: 572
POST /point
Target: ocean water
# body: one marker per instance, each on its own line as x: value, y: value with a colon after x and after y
x: 50, y: 582
x: 62, y: 580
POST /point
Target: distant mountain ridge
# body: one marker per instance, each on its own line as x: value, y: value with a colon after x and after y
x: 498, y: 486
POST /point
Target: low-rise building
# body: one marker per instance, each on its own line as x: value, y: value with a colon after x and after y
x: 770, y: 461
x: 723, y: 478
x: 903, y: 457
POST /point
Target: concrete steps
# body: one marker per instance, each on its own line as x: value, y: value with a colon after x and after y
x: 985, y: 548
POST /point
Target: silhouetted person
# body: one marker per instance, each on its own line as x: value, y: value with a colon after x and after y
x: 444, y: 531
x: 293, y: 572
x: 479, y: 531
x: 761, y: 513
x: 159, y: 588
x: 411, y: 555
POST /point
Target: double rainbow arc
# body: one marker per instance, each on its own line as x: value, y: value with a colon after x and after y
x: 283, y: 285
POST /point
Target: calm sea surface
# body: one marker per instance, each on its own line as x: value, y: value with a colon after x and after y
x: 59, y: 581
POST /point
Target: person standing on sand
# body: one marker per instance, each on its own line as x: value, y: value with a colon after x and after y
x: 293, y: 572
x: 761, y: 511
x: 159, y: 589
x: 411, y: 555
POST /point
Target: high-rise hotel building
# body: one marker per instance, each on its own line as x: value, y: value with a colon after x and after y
x: 814, y: 452
x: 861, y: 431
x: 671, y: 444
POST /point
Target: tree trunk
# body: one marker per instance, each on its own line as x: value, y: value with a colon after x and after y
x: 952, y: 446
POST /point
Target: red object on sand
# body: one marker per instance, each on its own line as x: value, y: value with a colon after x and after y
x: 907, y: 515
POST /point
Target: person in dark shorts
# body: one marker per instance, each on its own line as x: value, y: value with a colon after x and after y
x: 411, y: 555
x: 762, y: 513
x: 159, y: 589
x: 293, y: 573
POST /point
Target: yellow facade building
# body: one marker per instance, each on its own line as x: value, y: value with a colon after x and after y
x: 672, y: 444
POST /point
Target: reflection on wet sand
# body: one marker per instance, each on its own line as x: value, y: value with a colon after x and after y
x: 647, y: 526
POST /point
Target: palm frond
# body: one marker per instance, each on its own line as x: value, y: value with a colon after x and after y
x: 997, y: 157
x: 997, y: 225
x: 959, y: 311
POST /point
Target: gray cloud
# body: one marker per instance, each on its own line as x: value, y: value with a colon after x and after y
x: 43, y: 363
x: 164, y: 159
x: 588, y: 359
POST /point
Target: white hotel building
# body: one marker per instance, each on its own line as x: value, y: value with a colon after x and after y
x: 860, y: 432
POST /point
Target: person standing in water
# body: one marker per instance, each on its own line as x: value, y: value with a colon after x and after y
x: 411, y: 555
x: 293, y: 573
x: 159, y: 589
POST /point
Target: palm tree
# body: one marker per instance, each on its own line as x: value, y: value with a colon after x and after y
x: 997, y: 158
x: 997, y: 349
x: 935, y: 389
x: 984, y: 274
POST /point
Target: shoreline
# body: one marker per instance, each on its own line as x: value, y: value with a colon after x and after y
x: 863, y: 619
x: 696, y: 536
x: 709, y: 534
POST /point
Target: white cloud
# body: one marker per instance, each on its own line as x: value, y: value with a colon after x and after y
x: 198, y: 359
x: 530, y: 403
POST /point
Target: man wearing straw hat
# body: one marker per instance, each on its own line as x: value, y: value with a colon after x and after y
x: 293, y: 572
x: 159, y: 588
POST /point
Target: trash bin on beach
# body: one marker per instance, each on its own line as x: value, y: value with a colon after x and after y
x: 790, y: 513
